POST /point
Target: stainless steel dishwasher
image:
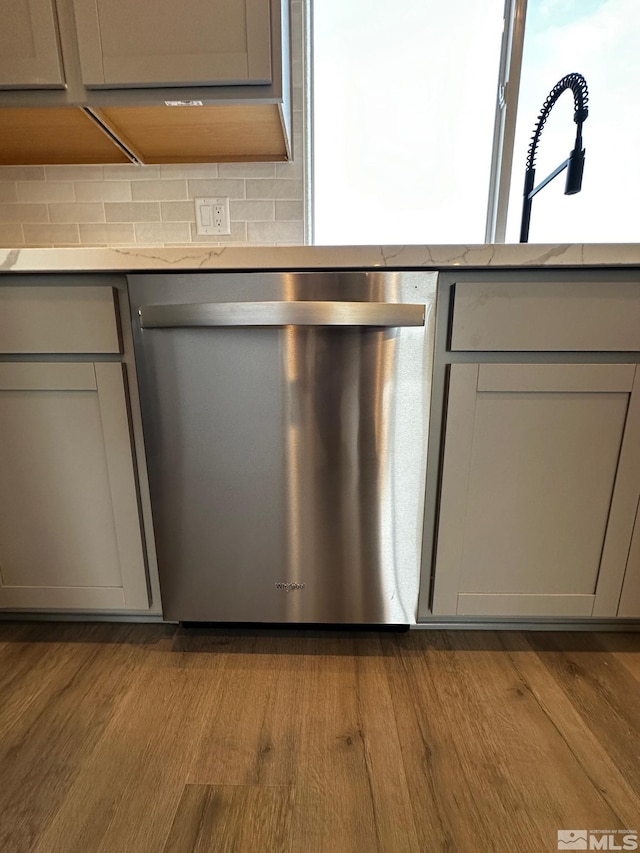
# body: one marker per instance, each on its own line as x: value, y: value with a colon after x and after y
x: 285, y: 418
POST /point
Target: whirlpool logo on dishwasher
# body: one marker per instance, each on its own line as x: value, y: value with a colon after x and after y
x: 289, y: 587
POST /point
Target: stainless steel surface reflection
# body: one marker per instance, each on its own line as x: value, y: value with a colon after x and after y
x: 287, y: 463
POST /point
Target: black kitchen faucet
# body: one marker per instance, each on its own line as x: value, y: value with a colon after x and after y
x: 575, y: 162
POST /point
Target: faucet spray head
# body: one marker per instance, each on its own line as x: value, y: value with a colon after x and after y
x: 575, y: 168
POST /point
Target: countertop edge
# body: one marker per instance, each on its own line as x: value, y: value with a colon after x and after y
x: 440, y: 257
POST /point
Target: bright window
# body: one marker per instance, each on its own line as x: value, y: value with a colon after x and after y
x: 404, y: 99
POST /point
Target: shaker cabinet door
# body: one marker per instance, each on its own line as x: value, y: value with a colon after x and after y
x: 70, y: 535
x: 164, y: 43
x: 29, y: 47
x: 630, y: 597
x: 540, y: 485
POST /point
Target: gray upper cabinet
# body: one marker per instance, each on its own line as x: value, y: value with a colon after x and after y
x: 29, y: 46
x: 157, y: 43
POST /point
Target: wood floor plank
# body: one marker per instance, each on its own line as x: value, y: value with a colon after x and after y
x: 602, y: 691
x: 485, y: 766
x: 589, y: 751
x: 251, y: 734
x: 32, y: 665
x: 232, y: 819
x: 126, y: 795
x: 42, y: 752
x: 426, y: 741
x: 441, y: 737
x: 624, y: 648
x: 351, y: 794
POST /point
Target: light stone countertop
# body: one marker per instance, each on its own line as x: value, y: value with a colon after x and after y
x: 132, y: 258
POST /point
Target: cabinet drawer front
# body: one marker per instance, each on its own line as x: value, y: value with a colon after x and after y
x: 58, y: 320
x: 546, y: 316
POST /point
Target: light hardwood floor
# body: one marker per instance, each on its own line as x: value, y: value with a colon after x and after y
x: 154, y: 739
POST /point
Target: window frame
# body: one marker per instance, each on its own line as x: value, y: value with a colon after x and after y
x: 508, y: 96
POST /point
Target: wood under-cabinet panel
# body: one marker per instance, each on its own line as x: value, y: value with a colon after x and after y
x: 206, y: 134
x: 32, y: 136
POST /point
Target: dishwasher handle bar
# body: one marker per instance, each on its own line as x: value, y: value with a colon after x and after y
x: 281, y: 314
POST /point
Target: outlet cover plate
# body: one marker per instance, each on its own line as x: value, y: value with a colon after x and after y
x: 212, y: 216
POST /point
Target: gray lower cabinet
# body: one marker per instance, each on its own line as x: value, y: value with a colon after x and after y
x: 630, y: 598
x: 29, y: 46
x: 540, y: 487
x: 70, y: 533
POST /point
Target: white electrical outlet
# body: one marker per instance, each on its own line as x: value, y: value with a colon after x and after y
x: 212, y: 216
